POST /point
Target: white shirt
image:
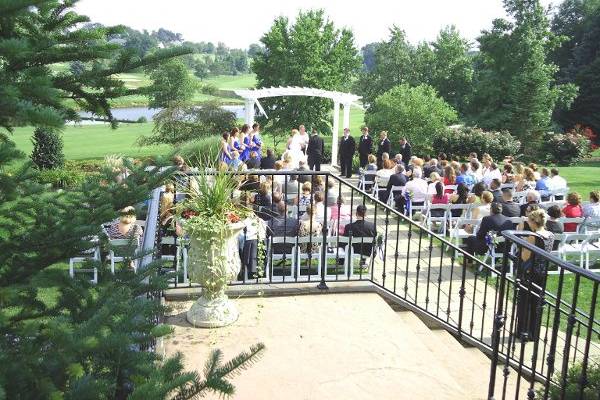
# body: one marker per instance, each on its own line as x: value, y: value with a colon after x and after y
x: 418, y: 187
x: 489, y: 175
x: 558, y: 182
x: 383, y: 176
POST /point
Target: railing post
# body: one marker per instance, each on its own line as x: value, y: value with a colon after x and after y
x: 323, y: 285
x: 461, y: 294
x: 499, y: 317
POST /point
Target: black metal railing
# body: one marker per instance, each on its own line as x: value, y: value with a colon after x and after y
x: 428, y: 274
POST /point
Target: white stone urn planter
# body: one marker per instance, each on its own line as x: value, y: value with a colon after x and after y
x: 213, y: 264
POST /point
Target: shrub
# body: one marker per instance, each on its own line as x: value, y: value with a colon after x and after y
x: 464, y: 140
x: 573, y: 382
x: 47, y: 149
x: 209, y: 88
x: 417, y: 113
x: 84, y: 166
x: 567, y: 148
x: 61, y: 178
x: 142, y: 120
x: 205, y: 149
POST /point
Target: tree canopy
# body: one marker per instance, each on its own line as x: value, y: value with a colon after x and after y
x: 313, y: 53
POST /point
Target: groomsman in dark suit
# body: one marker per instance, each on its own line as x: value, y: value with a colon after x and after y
x: 405, y: 150
x: 365, y: 147
x: 347, y: 149
x: 315, y: 150
x: 384, y: 146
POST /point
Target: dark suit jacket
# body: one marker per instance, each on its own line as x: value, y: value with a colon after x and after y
x: 283, y: 226
x: 524, y: 208
x: 497, y: 195
x: 510, y: 209
x: 253, y: 163
x: 361, y: 228
x: 384, y: 147
x: 315, y: 148
x: 347, y: 148
x: 267, y: 163
x: 395, y: 180
x: 365, y: 145
x: 406, y: 152
x: 495, y: 222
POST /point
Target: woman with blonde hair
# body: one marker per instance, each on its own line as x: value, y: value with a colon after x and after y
x: 527, y: 181
x: 125, y: 227
x: 484, y: 209
x: 532, y: 274
x: 310, y: 226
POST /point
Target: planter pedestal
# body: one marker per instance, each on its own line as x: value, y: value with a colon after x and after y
x: 212, y: 313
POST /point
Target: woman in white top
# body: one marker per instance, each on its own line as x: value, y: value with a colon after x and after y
x: 433, y: 178
x: 383, y: 175
x: 484, y: 209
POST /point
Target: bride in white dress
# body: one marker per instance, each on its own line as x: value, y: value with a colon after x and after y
x: 296, y: 146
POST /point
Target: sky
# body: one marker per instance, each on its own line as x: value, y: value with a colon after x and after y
x: 239, y: 23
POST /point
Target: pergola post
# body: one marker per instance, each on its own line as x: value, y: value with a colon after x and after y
x: 249, y: 111
x: 335, y: 132
x: 346, y: 115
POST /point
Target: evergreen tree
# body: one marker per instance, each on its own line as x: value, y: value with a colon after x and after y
x: 515, y: 85
x: 312, y: 53
x: 47, y: 148
x: 63, y: 338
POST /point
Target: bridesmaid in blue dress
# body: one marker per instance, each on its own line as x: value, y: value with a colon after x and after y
x: 234, y: 140
x: 225, y: 150
x: 255, y: 142
x: 246, y: 144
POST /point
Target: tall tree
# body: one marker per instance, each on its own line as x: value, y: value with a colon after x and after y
x: 312, y: 52
x: 171, y: 84
x: 515, y: 85
x: 578, y: 58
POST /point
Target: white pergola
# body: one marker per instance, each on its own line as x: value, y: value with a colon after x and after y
x: 251, y: 97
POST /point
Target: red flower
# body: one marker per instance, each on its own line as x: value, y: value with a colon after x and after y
x: 187, y: 214
x: 232, y: 217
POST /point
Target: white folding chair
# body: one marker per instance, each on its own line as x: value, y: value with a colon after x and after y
x: 337, y: 248
x: 121, y: 250
x: 180, y: 256
x: 593, y: 248
x: 575, y: 244
x: 441, y: 219
x: 520, y: 197
x: 393, y: 190
x: 91, y: 254
x: 450, y: 187
x: 352, y: 254
x: 492, y: 255
x: 272, y: 255
x: 459, y: 231
x: 367, y: 181
x: 465, y: 212
x: 579, y: 221
x: 307, y: 255
x: 558, y: 193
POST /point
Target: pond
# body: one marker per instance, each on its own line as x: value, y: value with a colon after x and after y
x: 134, y: 113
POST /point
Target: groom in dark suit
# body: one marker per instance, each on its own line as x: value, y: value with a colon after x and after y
x: 315, y: 150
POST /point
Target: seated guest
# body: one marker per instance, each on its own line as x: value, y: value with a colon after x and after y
x: 291, y: 187
x: 268, y: 162
x: 287, y: 161
x: 449, y: 178
x: 534, y: 168
x: 318, y: 208
x: 528, y: 180
x: 303, y: 168
x: 553, y: 225
x: 573, y: 209
x: 384, y: 157
x: 253, y: 162
x: 495, y: 222
x: 283, y: 226
x: 361, y: 228
x: 340, y: 212
x: 439, y: 198
x: 592, y: 210
x: 417, y: 187
x: 397, y: 179
x: 491, y: 172
x: 236, y: 163
x: 278, y: 180
x: 510, y: 209
x: 251, y: 184
x: 398, y: 159
x: 557, y: 182
x: 310, y: 226
x: 478, y: 190
x: 464, y: 176
x: 305, y: 198
x: 125, y: 227
x: 317, y: 184
x: 475, y: 170
x: 524, y: 225
x: 544, y: 184
x: 532, y: 197
x: 383, y: 175
x: 372, y: 165
x: 263, y: 197
x: 483, y: 210
x: 507, y: 174
x: 460, y: 197
x: 495, y: 190
x: 332, y: 193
